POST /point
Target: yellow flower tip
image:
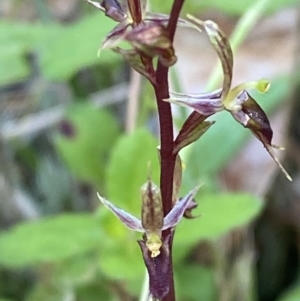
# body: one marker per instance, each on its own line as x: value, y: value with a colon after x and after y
x: 263, y: 85
x: 153, y: 244
x: 155, y: 253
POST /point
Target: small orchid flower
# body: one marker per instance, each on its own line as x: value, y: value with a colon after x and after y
x: 155, y: 246
x: 146, y: 32
x: 152, y: 221
x: 235, y: 100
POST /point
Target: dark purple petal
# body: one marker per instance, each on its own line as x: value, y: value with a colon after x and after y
x: 258, y: 119
x: 112, y: 9
x: 253, y: 117
x: 159, y: 268
x: 175, y: 215
x: 126, y: 218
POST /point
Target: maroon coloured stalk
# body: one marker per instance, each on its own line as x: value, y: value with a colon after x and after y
x: 166, y: 135
x: 135, y: 11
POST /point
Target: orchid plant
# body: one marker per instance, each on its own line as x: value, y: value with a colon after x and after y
x: 150, y: 36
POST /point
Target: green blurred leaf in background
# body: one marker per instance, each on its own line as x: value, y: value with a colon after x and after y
x: 128, y: 169
x: 85, y: 149
x: 50, y: 239
x: 219, y: 214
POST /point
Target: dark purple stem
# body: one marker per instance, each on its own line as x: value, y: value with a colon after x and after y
x: 166, y: 135
x: 135, y: 11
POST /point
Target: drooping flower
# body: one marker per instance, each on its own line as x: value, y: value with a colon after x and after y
x: 146, y: 33
x: 152, y: 221
x: 154, y: 246
x: 236, y: 100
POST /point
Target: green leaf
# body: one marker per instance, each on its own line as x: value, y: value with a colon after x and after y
x: 76, y: 46
x: 49, y: 240
x: 128, y: 169
x: 13, y: 66
x: 95, y: 291
x: 15, y: 41
x: 195, y: 283
x: 220, y: 213
x: 79, y: 270
x: 234, y: 7
x: 121, y: 260
x: 122, y: 263
x: 86, y: 150
x: 49, y: 291
x: 292, y: 294
x: 62, y: 50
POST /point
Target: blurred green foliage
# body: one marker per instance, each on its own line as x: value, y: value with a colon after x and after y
x: 293, y: 294
x: 234, y: 7
x: 61, y: 50
x: 93, y: 132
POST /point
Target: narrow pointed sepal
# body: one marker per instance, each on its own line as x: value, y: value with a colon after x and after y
x: 115, y: 36
x: 206, y: 104
x: 185, y: 138
x: 253, y: 117
x: 164, y: 19
x: 175, y: 215
x: 191, y: 123
x: 126, y: 218
x: 112, y: 9
x: 177, y: 178
x: 222, y: 46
